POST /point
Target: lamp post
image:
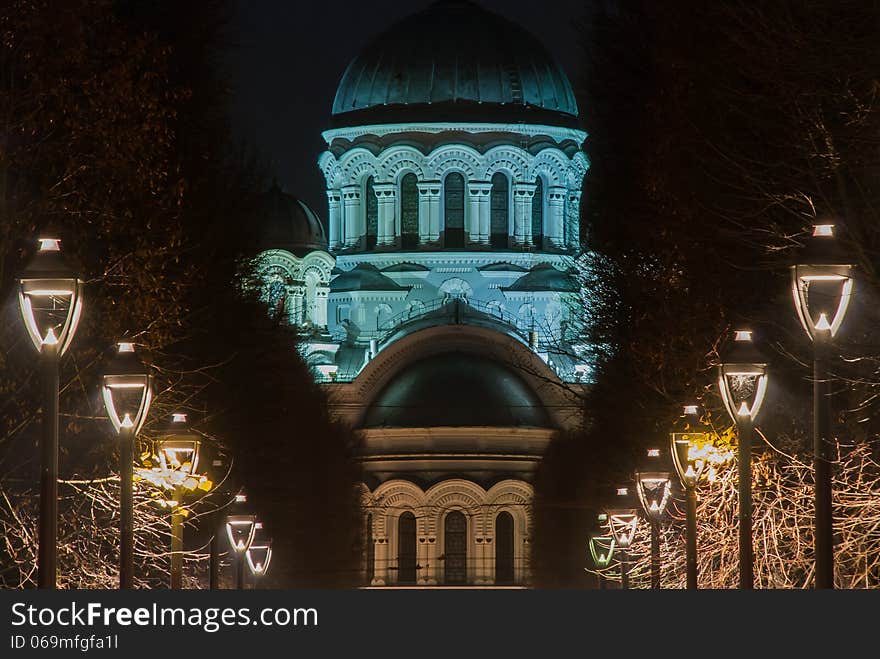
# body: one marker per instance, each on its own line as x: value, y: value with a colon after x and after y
x: 742, y: 380
x: 50, y: 300
x: 127, y: 393
x: 258, y: 557
x: 822, y: 285
x: 622, y: 523
x: 653, y: 488
x: 179, y: 456
x: 602, y: 551
x: 240, y: 531
x: 689, y: 467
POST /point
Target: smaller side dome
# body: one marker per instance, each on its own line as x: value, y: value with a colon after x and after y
x: 286, y: 222
x: 544, y: 277
x: 364, y: 277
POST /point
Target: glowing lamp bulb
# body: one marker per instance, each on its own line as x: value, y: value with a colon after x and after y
x: 50, y: 339
x: 653, y: 452
x: 743, y: 335
x: 622, y: 491
x: 240, y: 498
x: 690, y: 409
x: 50, y: 245
x: 822, y: 324
x: 826, y: 230
x: 178, y: 417
x: 126, y: 346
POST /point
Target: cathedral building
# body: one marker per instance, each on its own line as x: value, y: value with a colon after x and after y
x: 441, y: 303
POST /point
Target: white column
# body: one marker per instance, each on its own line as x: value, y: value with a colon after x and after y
x: 555, y: 216
x: 321, y: 295
x: 353, y: 217
x: 478, y: 217
x: 423, y: 577
x: 573, y: 219
x: 380, y: 573
x: 334, y: 217
x: 386, y: 195
x: 296, y: 304
x: 429, y: 211
x: 522, y: 213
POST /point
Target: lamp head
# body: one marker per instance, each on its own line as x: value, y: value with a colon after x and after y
x: 127, y: 389
x: 258, y: 557
x: 622, y: 523
x: 654, y: 489
x: 240, y: 531
x: 602, y: 550
x: 742, y: 378
x: 822, y: 285
x: 50, y: 297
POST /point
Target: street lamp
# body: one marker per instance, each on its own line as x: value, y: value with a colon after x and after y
x: 240, y: 531
x: 179, y: 458
x: 258, y: 556
x: 127, y: 393
x: 742, y: 380
x: 822, y: 286
x: 622, y: 523
x: 654, y: 488
x: 690, y: 466
x: 602, y: 551
x: 50, y: 298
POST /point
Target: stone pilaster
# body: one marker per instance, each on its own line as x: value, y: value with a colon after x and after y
x: 353, y: 215
x: 386, y: 195
x: 554, y: 223
x: 479, y: 211
x: 522, y: 213
x: 334, y: 218
x: 429, y: 211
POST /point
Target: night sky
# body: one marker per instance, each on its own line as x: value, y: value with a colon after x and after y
x: 289, y: 57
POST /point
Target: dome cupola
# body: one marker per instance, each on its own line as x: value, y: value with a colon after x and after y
x: 454, y: 61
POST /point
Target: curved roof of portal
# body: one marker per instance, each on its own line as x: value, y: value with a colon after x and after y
x: 456, y: 389
x: 454, y: 61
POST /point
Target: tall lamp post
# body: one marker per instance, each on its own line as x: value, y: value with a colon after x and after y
x: 602, y: 551
x: 179, y: 455
x: 742, y: 379
x: 240, y: 531
x: 822, y: 285
x: 689, y: 467
x: 50, y: 299
x: 127, y: 393
x: 653, y: 488
x: 622, y: 523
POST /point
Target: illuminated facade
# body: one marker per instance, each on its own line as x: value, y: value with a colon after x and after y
x: 441, y: 307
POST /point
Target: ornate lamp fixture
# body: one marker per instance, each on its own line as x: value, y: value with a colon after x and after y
x: 742, y: 380
x: 127, y: 393
x: 50, y: 300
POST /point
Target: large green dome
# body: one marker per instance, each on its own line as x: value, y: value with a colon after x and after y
x: 454, y: 61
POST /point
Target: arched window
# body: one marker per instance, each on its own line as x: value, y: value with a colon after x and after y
x: 504, y: 573
x: 406, y: 548
x: 455, y: 550
x: 371, y: 551
x: 372, y: 210
x: 538, y: 214
x: 453, y: 217
x: 500, y: 210
x: 409, y: 211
